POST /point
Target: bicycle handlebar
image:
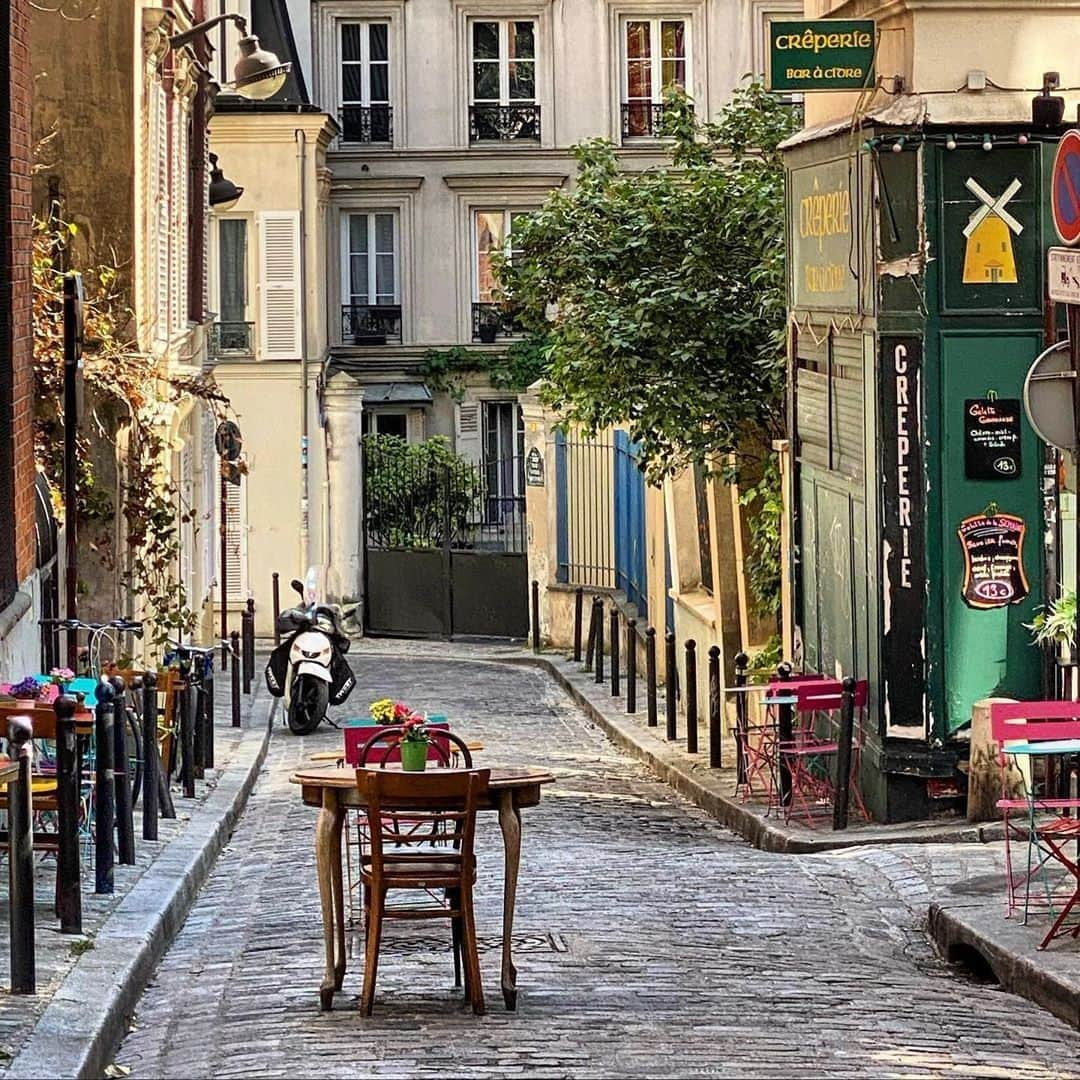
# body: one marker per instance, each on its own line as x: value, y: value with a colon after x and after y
x: 129, y: 626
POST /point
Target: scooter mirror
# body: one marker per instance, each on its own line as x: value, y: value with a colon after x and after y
x: 298, y: 585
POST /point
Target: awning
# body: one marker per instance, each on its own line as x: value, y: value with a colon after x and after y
x: 396, y: 393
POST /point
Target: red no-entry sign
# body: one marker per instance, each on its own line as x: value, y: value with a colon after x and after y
x: 1065, y: 188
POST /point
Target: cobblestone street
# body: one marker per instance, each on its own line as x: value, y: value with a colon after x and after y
x: 649, y: 941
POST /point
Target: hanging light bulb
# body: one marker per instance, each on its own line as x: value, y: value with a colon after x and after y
x: 898, y: 145
x: 988, y: 143
x: 1022, y: 138
x: 950, y: 143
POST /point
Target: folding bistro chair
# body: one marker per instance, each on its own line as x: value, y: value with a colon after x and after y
x: 1049, y: 730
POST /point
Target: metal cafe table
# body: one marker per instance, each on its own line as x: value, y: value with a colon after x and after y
x: 333, y: 789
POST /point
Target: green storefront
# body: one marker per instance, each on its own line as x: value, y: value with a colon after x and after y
x: 916, y: 292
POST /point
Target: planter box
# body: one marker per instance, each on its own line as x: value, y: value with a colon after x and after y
x: 358, y: 731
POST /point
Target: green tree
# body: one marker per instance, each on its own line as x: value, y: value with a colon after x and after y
x: 661, y: 294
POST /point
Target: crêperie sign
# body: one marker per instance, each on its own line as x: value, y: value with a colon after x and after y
x: 821, y: 54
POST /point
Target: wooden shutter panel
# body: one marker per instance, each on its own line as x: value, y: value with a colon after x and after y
x: 160, y: 210
x: 467, y: 431
x: 236, y: 540
x: 279, y: 308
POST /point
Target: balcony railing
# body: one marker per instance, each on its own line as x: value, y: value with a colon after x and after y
x: 491, y: 321
x: 643, y: 119
x: 504, y: 123
x: 367, y: 124
x: 232, y: 339
x: 370, y: 324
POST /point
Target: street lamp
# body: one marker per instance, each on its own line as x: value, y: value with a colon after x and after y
x: 224, y: 194
x: 258, y: 74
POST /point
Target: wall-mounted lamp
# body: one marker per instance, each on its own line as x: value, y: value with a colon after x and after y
x: 258, y: 74
x: 223, y: 194
x: 1047, y: 111
x: 950, y: 143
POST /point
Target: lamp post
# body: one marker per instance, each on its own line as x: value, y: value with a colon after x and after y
x: 223, y: 194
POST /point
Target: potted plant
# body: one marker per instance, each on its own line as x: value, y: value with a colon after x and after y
x: 60, y: 677
x: 27, y: 690
x: 414, y: 744
x: 489, y: 326
x: 1056, y: 623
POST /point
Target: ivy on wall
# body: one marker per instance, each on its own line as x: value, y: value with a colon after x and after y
x: 513, y: 369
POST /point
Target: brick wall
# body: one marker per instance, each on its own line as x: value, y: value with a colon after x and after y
x: 19, y: 94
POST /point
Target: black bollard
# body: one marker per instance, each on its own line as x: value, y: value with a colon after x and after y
x: 234, y: 639
x: 742, y: 719
x: 631, y: 665
x: 785, y: 737
x: 125, y: 823
x: 21, y: 859
x: 536, y: 616
x: 68, y: 870
x: 595, y: 614
x: 691, y: 697
x: 277, y: 613
x: 247, y: 643
x: 614, y: 651
x: 843, y: 755
x: 716, y: 731
x: 671, y: 687
x: 186, y: 705
x: 579, y: 600
x: 598, y: 657
x: 208, y: 710
x: 151, y: 765
x: 650, y: 674
x: 104, y: 790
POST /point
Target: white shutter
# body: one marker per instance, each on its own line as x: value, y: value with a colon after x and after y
x: 208, y: 536
x: 187, y: 529
x: 236, y: 540
x: 159, y: 153
x: 467, y: 431
x: 279, y: 306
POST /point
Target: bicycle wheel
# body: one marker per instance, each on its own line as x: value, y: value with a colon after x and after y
x: 133, y: 739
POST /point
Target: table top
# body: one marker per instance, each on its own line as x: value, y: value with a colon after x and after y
x: 331, y: 776
x: 1047, y: 746
x: 8, y: 771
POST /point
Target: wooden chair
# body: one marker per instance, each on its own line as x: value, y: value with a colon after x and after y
x: 397, y: 802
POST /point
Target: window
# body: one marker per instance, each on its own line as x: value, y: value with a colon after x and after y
x: 365, y: 83
x: 494, y: 230
x: 654, y: 60
x: 371, y: 311
x: 503, y: 86
x: 386, y: 423
x: 233, y: 330
x: 370, y: 276
x: 504, y: 457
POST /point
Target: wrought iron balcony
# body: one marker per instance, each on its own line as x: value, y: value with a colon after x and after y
x: 232, y: 339
x: 643, y: 119
x: 491, y: 321
x: 504, y: 123
x: 370, y: 324
x: 367, y: 124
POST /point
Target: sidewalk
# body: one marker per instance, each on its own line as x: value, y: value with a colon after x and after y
x: 87, y: 986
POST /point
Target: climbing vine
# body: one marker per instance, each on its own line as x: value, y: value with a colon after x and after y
x: 130, y: 403
x: 513, y: 369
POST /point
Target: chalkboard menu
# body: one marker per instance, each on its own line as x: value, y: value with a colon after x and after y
x: 993, y: 546
x: 992, y: 438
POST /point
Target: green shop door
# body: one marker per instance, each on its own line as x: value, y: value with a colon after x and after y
x: 987, y: 649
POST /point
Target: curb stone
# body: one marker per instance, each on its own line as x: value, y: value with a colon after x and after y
x: 66, y: 1042
x: 695, y: 782
x: 1010, y: 951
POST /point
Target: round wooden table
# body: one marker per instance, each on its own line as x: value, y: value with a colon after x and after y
x: 333, y: 790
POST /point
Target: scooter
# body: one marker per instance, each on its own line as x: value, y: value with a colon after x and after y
x: 308, y: 669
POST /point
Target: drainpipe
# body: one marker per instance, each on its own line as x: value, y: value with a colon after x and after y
x: 305, y: 502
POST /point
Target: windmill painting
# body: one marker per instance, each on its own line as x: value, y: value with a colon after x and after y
x: 988, y: 257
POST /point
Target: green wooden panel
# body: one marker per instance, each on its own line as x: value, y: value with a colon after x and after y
x: 986, y: 652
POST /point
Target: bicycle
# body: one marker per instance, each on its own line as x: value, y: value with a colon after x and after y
x: 195, y: 665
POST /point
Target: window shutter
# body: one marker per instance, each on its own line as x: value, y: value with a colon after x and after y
x: 236, y: 540
x: 160, y: 210
x: 279, y: 308
x: 210, y: 480
x: 187, y: 529
x: 467, y: 431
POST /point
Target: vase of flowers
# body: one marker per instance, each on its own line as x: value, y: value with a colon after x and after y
x: 60, y: 677
x: 29, y: 689
x: 414, y: 744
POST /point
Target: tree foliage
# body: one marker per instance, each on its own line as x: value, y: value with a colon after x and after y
x: 130, y: 405
x: 661, y: 293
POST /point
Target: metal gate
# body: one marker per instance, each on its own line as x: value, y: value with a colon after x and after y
x: 444, y: 543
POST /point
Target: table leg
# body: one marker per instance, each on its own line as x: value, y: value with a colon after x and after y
x: 325, y: 828
x: 510, y: 823
x: 339, y: 899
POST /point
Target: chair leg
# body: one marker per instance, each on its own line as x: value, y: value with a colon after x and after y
x: 371, y: 956
x: 474, y: 983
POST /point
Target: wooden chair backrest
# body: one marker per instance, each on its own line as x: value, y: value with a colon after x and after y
x: 400, y: 806
x: 1034, y: 721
